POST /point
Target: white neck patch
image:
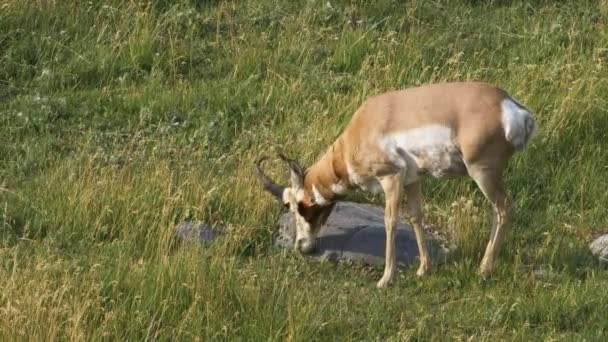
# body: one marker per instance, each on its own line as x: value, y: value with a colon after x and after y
x: 319, y: 199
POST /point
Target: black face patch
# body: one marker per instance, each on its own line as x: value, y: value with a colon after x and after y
x: 315, y: 214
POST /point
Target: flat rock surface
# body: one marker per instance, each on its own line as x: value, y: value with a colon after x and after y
x: 195, y: 231
x: 599, y: 247
x: 356, y: 232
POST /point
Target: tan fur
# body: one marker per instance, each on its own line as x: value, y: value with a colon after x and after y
x: 471, y: 110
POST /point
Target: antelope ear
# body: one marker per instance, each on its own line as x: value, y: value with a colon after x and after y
x: 297, y: 175
x: 288, y: 196
x: 297, y: 179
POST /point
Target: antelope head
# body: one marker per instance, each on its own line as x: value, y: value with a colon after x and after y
x: 309, y: 216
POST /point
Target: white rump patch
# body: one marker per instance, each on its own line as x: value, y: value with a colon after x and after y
x: 517, y: 122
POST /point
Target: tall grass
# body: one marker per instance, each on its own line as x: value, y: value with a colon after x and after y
x: 119, y: 120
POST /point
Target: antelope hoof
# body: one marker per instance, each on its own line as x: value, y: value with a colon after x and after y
x: 423, y: 269
x: 383, y: 283
x: 485, y: 271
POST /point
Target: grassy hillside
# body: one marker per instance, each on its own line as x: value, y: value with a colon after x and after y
x: 119, y: 120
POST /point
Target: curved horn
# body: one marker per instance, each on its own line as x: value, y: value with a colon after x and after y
x: 270, y: 186
x: 297, y: 175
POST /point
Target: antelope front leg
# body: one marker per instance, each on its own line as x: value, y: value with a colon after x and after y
x: 392, y: 193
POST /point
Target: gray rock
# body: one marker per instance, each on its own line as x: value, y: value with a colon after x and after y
x: 356, y: 232
x: 599, y: 247
x: 192, y: 231
x: 545, y: 274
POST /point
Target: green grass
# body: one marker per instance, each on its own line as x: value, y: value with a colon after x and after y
x: 120, y: 120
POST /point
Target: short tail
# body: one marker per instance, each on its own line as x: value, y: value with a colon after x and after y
x: 518, y: 123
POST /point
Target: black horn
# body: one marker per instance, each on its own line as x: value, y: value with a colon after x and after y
x: 269, y: 184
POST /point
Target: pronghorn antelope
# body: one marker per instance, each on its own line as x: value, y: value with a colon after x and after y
x: 393, y: 140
